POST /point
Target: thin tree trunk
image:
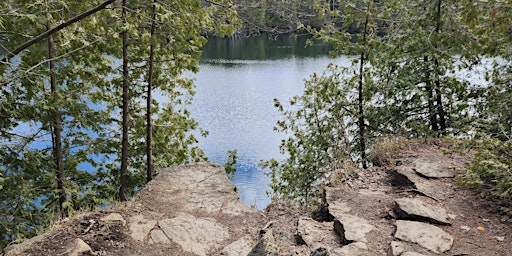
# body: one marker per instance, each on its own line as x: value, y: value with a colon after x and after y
x: 439, y: 100
x: 126, y: 100
x: 430, y: 93
x: 149, y: 126
x: 56, y: 130
x: 362, y: 141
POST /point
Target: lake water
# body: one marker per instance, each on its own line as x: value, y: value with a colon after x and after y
x: 236, y: 85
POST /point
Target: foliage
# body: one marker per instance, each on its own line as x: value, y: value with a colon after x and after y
x: 319, y: 123
x: 491, y: 167
x: 229, y: 166
x: 87, y: 100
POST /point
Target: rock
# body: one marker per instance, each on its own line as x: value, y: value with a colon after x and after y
x: 140, y: 227
x: 500, y: 238
x: 114, y: 218
x: 313, y: 232
x: 426, y: 235
x: 416, y: 209
x: 78, y: 247
x: 397, y: 248
x: 417, y: 182
x: 266, y: 246
x: 207, y: 190
x: 351, y: 228
x: 432, y: 170
x: 353, y: 249
x: 335, y: 205
x: 241, y: 246
x: 320, y: 251
x: 412, y: 254
x: 159, y: 237
x: 195, y: 235
x: 465, y: 228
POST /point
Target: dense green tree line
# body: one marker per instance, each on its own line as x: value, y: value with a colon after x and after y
x: 408, y: 57
x: 78, y: 118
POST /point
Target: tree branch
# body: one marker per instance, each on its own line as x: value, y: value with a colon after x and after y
x: 55, y: 29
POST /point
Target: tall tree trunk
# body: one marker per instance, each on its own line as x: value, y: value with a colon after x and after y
x: 439, y: 100
x: 56, y: 129
x: 362, y: 141
x: 126, y: 100
x: 149, y: 126
x: 430, y: 101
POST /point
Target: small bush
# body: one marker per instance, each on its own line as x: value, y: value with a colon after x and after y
x: 491, y: 168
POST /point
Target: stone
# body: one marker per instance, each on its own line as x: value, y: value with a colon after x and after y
x: 397, y: 248
x: 194, y: 235
x: 78, y: 247
x: 425, y: 235
x: 353, y: 249
x: 140, y: 227
x: 351, y: 228
x: 242, y: 246
x: 320, y: 251
x: 417, y: 182
x: 416, y: 209
x: 412, y: 254
x: 266, y: 246
x: 207, y: 190
x: 500, y: 238
x: 159, y: 237
x: 432, y: 170
x: 313, y: 232
x: 114, y: 218
x: 335, y: 205
x: 465, y: 228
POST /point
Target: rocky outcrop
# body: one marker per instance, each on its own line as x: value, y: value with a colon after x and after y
x: 194, y: 210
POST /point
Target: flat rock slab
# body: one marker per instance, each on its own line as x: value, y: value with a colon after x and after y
x: 432, y: 169
x: 195, y: 235
x: 426, y: 235
x: 416, y: 209
x: 315, y: 233
x: 417, y: 182
x: 351, y: 228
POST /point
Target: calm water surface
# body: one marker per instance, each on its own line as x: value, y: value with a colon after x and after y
x: 236, y: 85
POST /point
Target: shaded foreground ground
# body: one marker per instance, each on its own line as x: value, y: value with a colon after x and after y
x: 194, y: 210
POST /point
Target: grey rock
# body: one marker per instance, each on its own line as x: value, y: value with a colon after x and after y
x: 195, y: 235
x: 207, y: 189
x: 140, y: 227
x: 313, y: 232
x: 242, y: 246
x: 353, y: 249
x: 416, y: 209
x: 78, y: 247
x: 159, y: 237
x: 351, y: 228
x: 266, y: 246
x: 426, y: 235
x: 432, y: 170
x: 397, y: 248
x: 114, y: 218
x: 412, y: 254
